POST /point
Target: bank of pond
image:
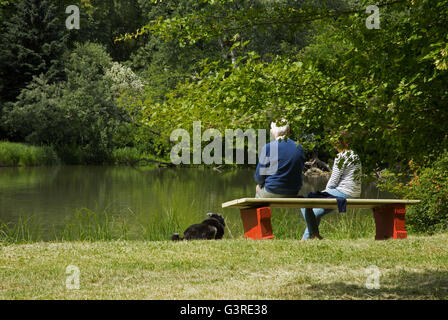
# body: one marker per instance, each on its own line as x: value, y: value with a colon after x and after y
x: 15, y: 154
x: 122, y: 202
x: 19, y: 154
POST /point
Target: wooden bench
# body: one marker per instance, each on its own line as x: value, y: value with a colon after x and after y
x: 389, y: 214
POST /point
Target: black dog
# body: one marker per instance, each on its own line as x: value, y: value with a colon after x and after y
x: 210, y: 228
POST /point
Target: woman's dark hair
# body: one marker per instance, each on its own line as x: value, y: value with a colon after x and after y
x: 341, y: 139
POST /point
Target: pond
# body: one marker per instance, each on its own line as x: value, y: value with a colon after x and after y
x: 173, y: 198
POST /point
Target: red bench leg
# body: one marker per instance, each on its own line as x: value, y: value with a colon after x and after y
x: 257, y: 223
x: 390, y: 222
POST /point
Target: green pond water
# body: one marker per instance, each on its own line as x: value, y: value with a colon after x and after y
x: 53, y: 195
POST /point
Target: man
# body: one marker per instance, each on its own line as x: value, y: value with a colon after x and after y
x: 345, y: 182
x: 279, y: 170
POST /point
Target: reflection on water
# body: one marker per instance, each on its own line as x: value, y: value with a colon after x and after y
x: 54, y: 193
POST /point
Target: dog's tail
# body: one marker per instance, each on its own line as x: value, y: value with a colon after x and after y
x: 176, y: 237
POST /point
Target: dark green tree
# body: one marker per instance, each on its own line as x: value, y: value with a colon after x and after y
x: 174, y: 52
x: 103, y: 21
x: 79, y: 117
x: 32, y: 42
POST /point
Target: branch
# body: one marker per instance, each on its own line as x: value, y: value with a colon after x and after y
x: 160, y: 163
x: 212, y: 21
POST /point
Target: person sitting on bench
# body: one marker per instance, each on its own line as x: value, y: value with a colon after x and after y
x: 285, y: 180
x: 345, y: 182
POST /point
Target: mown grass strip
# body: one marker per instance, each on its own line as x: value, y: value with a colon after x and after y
x: 416, y: 268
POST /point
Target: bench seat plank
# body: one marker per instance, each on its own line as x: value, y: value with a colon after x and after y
x: 312, y: 203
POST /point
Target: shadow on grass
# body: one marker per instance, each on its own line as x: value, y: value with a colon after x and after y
x: 407, y: 285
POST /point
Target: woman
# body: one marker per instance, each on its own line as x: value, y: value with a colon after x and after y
x: 345, y: 182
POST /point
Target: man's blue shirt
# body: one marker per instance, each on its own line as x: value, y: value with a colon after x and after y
x: 287, y: 180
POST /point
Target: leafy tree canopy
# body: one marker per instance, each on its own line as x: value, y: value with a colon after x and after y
x: 386, y: 86
x: 79, y: 117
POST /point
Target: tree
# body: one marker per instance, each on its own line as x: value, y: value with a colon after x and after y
x: 387, y: 86
x: 32, y: 42
x: 103, y: 21
x: 79, y: 117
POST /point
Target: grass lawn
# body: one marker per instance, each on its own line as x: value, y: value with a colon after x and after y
x: 415, y: 268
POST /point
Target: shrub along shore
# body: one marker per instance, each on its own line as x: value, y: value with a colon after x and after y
x: 19, y: 154
x: 16, y: 154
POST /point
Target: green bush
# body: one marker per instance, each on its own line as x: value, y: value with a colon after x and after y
x: 78, y: 117
x: 430, y: 185
x: 126, y: 155
x: 20, y: 154
x: 9, y: 154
